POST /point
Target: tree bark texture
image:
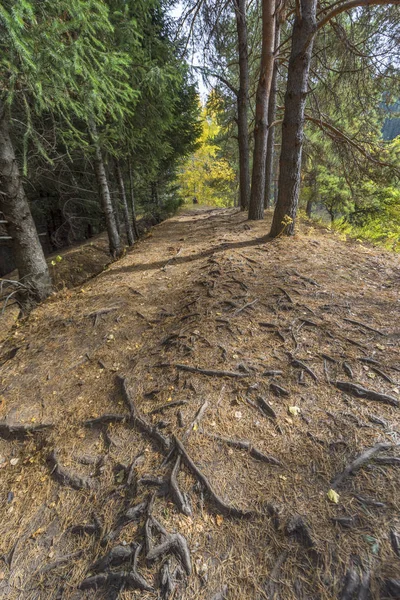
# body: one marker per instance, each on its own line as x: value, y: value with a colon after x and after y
x: 270, y: 161
x: 304, y: 31
x: 28, y: 253
x: 256, y: 209
x: 243, y: 105
x: 125, y: 211
x: 105, y: 197
x: 133, y: 208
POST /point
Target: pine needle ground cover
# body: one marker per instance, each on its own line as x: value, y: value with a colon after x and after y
x: 216, y: 415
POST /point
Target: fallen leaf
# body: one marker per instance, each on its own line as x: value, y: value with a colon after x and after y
x: 333, y: 496
x: 14, y: 461
x: 219, y: 519
x: 238, y: 414
x: 294, y: 410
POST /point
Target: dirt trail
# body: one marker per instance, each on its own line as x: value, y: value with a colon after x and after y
x: 293, y: 324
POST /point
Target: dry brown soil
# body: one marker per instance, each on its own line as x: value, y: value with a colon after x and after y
x: 207, y: 290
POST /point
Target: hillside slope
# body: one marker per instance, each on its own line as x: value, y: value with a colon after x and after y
x: 203, y: 335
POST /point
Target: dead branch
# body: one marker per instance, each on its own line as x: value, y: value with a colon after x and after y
x: 64, y: 477
x: 356, y: 464
x: 360, y: 392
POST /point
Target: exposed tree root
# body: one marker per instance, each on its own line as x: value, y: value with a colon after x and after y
x: 225, y: 509
x: 19, y: 432
x: 178, y: 497
x: 64, y: 477
x: 209, y: 372
x: 351, y: 584
x: 132, y: 514
x: 360, y: 392
x: 116, y: 557
x: 139, y: 421
x: 161, y: 409
x: 300, y: 365
x: 278, y: 390
x: 363, y: 458
x: 104, y: 420
x: 94, y: 528
x: 245, y: 445
x: 365, y: 326
x: 174, y: 543
x: 298, y: 527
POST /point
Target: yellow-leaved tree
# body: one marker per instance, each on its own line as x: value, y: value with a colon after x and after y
x: 205, y: 176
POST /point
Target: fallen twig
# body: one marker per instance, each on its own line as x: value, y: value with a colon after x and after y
x: 175, y: 543
x: 300, y: 365
x: 248, y: 305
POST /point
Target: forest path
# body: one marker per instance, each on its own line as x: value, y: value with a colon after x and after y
x: 288, y: 319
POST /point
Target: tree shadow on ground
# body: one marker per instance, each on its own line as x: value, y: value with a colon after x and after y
x: 177, y: 260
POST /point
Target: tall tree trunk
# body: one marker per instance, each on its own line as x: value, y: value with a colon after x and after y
x: 133, y: 208
x: 105, y: 197
x: 28, y: 253
x: 309, y: 208
x: 304, y: 30
x: 125, y: 211
x: 115, y: 205
x: 269, y: 167
x: 256, y: 209
x: 243, y: 105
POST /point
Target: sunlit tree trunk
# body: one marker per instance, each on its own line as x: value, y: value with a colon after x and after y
x: 125, y: 211
x: 256, y: 209
x: 304, y: 30
x: 243, y: 105
x: 35, y: 283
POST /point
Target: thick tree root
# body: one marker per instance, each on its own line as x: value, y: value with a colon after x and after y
x: 300, y: 365
x: 132, y: 514
x: 174, y: 543
x: 116, y: 582
x: 94, y: 528
x: 298, y: 527
x: 19, y: 432
x: 245, y: 445
x: 363, y: 458
x: 116, y: 557
x: 179, y: 499
x: 395, y: 541
x: 64, y: 477
x: 137, y: 419
x: 104, y: 420
x: 360, y: 392
x: 351, y: 584
x: 224, y: 509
